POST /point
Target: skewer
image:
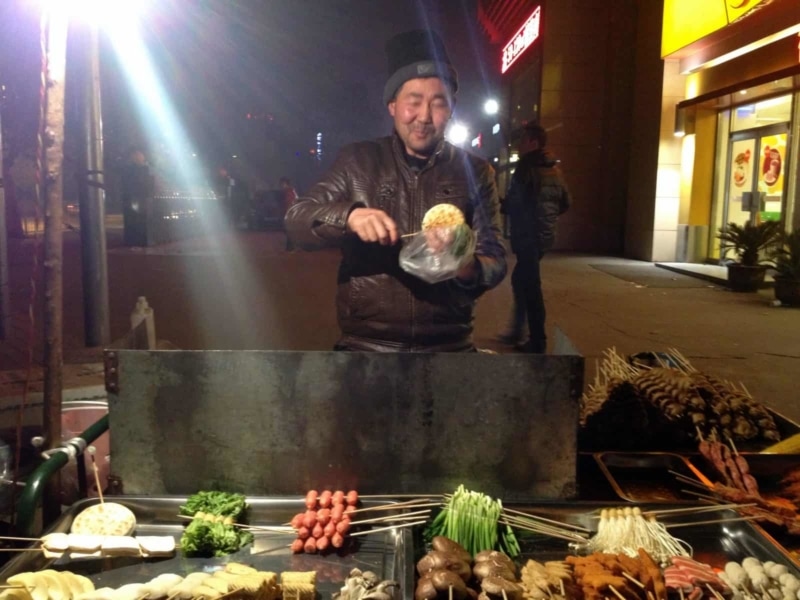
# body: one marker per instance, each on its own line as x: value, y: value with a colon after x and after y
x: 19, y: 539
x: 733, y: 446
x: 616, y: 592
x: 549, y: 533
x: 417, y: 503
x: 390, y: 496
x: 697, y: 509
x: 450, y: 592
x: 501, y: 589
x: 633, y: 579
x: 680, y: 593
x: 388, y: 518
x: 546, y: 520
x: 20, y: 549
x: 706, y: 497
x: 686, y: 479
x: 711, y: 522
x: 379, y: 529
x: 544, y: 530
x: 719, y: 596
x: 92, y: 451
x: 262, y: 529
x: 542, y: 527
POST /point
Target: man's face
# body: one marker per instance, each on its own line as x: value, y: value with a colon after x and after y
x: 421, y: 110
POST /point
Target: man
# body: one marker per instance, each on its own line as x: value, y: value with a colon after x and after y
x: 379, y: 190
x: 536, y: 197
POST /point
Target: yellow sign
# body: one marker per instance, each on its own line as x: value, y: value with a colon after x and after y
x: 686, y: 21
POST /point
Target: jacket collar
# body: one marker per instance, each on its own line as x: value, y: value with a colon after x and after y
x: 400, y: 150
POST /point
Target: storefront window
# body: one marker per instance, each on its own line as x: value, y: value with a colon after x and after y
x: 752, y: 173
x: 763, y: 113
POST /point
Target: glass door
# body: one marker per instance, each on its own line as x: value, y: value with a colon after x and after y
x: 755, y: 187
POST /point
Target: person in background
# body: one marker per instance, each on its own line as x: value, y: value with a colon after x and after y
x: 536, y: 197
x: 289, y: 198
x: 136, y: 191
x: 378, y: 190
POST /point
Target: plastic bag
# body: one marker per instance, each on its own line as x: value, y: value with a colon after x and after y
x: 437, y: 253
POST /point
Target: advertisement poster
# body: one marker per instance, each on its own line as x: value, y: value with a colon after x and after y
x: 741, y: 179
x: 771, y: 169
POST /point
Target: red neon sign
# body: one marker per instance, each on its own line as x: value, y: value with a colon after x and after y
x: 522, y: 40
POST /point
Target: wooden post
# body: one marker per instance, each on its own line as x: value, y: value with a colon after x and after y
x: 53, y: 139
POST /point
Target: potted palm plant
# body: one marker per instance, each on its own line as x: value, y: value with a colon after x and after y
x: 749, y: 242
x: 786, y: 256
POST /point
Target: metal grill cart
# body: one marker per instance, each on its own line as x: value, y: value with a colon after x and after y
x: 277, y: 423
x: 273, y: 425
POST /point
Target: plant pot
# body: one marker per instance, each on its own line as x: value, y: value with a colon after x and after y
x: 743, y: 278
x: 787, y: 291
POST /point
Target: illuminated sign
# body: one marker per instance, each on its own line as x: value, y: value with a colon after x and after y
x: 522, y: 40
x: 686, y: 21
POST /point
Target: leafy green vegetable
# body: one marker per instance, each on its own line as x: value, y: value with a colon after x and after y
x: 216, y: 503
x: 206, y: 538
x: 471, y: 519
x: 213, y: 533
x: 462, y: 239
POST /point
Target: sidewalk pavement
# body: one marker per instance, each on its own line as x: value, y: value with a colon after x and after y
x: 242, y: 290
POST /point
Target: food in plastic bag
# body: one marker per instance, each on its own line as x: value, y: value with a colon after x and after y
x: 442, y: 248
x: 443, y: 215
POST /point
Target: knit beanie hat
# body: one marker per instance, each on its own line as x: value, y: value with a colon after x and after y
x: 414, y: 54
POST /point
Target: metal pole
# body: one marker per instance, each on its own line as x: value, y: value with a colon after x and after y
x: 53, y: 132
x: 92, y: 202
x: 5, y: 295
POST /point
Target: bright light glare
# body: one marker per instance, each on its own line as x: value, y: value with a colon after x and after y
x: 104, y: 13
x: 491, y: 107
x: 153, y: 103
x: 457, y: 134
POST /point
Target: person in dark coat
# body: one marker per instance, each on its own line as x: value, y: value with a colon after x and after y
x: 379, y: 190
x: 536, y: 197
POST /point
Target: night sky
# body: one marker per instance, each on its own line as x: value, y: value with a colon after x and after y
x: 296, y: 67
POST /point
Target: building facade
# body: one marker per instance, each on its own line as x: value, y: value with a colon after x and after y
x: 576, y: 77
x: 729, y: 132
x: 672, y: 118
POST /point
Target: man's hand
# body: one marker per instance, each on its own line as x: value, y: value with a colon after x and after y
x: 468, y: 271
x: 373, y: 225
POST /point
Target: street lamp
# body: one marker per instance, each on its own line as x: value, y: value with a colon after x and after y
x: 457, y: 134
x: 491, y: 106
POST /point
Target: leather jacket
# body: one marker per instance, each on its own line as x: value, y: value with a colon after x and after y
x: 536, y: 198
x: 380, y: 307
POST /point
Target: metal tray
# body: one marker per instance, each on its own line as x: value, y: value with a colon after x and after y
x: 646, y: 476
x: 714, y: 544
x: 388, y: 553
x: 768, y: 469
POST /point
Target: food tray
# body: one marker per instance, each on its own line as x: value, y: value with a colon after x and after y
x: 388, y: 553
x: 646, y: 476
x: 768, y: 469
x: 714, y: 544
